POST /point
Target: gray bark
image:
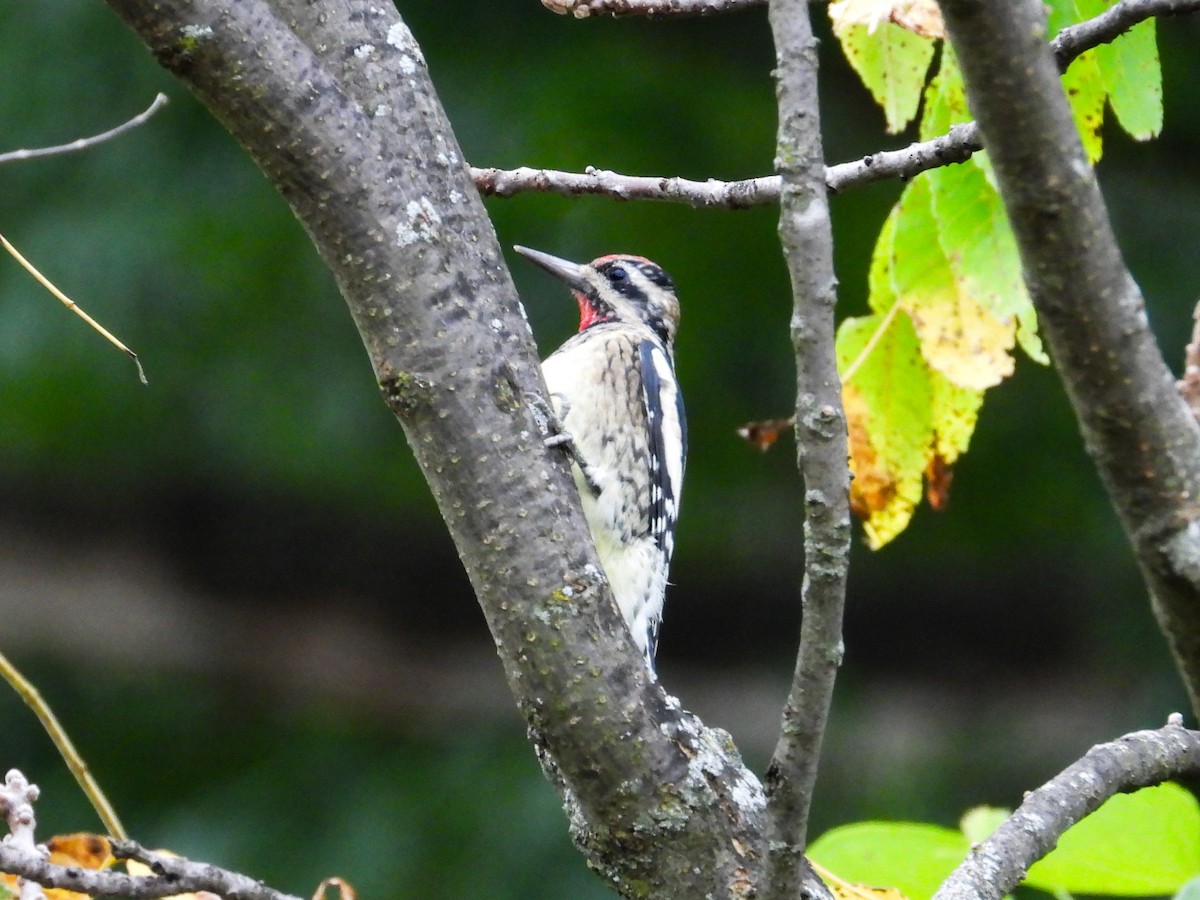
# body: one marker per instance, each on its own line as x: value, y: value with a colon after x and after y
x: 997, y: 865
x: 335, y: 103
x: 1140, y: 434
x: 806, y: 235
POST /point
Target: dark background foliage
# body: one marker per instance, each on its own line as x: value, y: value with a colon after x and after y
x: 232, y: 583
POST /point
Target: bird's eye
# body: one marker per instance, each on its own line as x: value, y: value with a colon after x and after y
x: 616, y: 273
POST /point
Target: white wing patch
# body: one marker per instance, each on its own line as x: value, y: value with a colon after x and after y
x: 668, y: 443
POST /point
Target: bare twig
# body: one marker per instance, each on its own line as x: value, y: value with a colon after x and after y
x: 72, y: 305
x: 17, y: 797
x: 806, y: 234
x: 724, y: 194
x: 581, y: 9
x: 66, y: 748
x: 84, y: 143
x: 995, y: 866
x: 190, y: 876
x: 957, y: 145
x: 172, y: 875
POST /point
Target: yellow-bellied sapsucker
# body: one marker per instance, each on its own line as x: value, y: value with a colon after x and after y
x: 621, y: 413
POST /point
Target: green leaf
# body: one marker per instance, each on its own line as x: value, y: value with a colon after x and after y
x: 881, y: 295
x: 1133, y: 78
x: 1130, y: 73
x: 945, y: 98
x: 1086, y: 93
x: 954, y: 412
x: 893, y: 379
x: 974, y: 235
x: 962, y: 336
x: 946, y: 106
x: 892, y: 63
x: 978, y: 823
x: 888, y: 400
x: 910, y: 856
x: 1062, y: 14
x: 1136, y: 845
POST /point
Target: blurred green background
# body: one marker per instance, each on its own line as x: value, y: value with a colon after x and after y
x: 232, y: 584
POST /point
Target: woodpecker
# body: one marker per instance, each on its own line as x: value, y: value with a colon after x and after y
x: 621, y: 416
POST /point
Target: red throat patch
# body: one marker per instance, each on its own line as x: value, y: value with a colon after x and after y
x: 587, y: 313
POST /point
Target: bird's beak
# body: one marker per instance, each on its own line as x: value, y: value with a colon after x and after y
x: 571, y: 273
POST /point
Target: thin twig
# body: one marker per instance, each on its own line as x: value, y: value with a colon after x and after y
x: 172, y: 875
x: 83, y: 143
x: 957, y: 145
x: 710, y: 193
x: 72, y: 305
x: 66, y: 749
x: 995, y: 866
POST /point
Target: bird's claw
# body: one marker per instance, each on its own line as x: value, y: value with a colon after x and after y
x: 554, y: 435
x: 548, y: 422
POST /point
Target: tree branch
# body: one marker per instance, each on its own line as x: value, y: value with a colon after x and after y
x: 956, y: 146
x: 173, y: 875
x: 806, y: 234
x: 581, y: 9
x: 335, y: 103
x: 84, y: 143
x: 20, y: 855
x: 997, y: 865
x: 1138, y: 430
x: 1111, y: 24
x: 593, y: 181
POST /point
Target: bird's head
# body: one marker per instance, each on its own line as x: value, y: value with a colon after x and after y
x: 617, y: 288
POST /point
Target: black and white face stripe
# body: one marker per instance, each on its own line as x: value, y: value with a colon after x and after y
x: 618, y: 271
x: 632, y: 288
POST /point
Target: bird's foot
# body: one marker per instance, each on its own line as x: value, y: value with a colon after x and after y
x: 553, y: 433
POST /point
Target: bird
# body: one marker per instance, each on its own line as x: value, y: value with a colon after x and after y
x: 620, y: 415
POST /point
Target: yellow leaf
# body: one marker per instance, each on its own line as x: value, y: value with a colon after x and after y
x: 81, y: 850
x: 892, y: 64
x: 955, y: 412
x: 959, y: 337
x: 887, y: 403
x: 1085, y: 90
x: 848, y: 890
x: 88, y: 851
